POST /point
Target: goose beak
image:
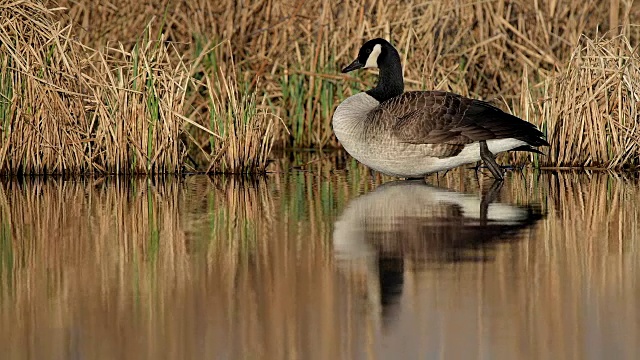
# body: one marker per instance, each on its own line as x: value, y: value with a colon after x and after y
x: 355, y: 65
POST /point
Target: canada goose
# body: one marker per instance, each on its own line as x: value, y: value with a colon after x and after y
x: 411, y: 134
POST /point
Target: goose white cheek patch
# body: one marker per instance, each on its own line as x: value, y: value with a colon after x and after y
x: 372, y: 60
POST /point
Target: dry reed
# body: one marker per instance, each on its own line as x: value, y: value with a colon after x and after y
x: 503, y: 51
x: 591, y: 114
x: 241, y: 130
x: 67, y: 108
x: 139, y: 97
x: 44, y: 123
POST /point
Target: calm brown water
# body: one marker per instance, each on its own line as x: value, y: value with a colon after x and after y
x: 321, y: 265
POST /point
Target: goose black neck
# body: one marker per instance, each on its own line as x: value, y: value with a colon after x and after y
x: 390, y: 82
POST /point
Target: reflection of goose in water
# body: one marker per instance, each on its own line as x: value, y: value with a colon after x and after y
x: 412, y: 220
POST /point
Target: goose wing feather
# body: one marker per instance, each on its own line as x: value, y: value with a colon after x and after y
x: 450, y: 121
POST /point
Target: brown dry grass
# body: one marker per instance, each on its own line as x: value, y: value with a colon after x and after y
x: 240, y: 135
x: 592, y: 114
x: 517, y: 53
x: 44, y: 123
x: 138, y: 97
x: 68, y: 108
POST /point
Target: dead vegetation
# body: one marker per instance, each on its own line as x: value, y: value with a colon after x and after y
x: 591, y: 113
x: 68, y: 108
x: 43, y: 116
x: 135, y: 88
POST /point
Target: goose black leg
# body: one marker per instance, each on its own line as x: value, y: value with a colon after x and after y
x: 490, y: 160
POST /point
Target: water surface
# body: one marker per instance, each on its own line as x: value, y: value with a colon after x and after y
x: 321, y: 264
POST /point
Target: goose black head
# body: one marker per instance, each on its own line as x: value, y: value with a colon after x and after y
x: 375, y: 53
x: 379, y: 53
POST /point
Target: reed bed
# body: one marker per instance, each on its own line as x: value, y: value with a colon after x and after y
x: 44, y: 124
x: 136, y: 120
x: 212, y: 86
x: 596, y: 95
x: 241, y: 131
x: 67, y: 108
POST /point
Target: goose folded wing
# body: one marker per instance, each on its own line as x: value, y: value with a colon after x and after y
x: 451, y: 121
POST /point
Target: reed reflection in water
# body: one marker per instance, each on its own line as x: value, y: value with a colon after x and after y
x: 320, y: 265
